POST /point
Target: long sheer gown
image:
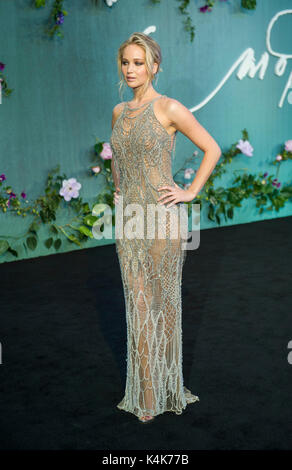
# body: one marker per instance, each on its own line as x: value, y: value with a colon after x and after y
x: 151, y: 266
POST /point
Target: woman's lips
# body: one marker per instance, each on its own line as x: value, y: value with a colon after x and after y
x: 130, y: 78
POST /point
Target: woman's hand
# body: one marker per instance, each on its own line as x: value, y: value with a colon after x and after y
x: 116, y: 196
x: 175, y: 195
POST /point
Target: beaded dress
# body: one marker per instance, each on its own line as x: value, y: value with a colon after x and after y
x: 151, y: 266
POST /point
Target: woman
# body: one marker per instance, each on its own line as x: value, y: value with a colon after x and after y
x: 142, y: 141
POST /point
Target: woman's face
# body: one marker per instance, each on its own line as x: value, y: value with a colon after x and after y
x: 134, y: 66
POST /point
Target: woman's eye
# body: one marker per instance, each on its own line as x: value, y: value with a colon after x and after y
x: 136, y: 63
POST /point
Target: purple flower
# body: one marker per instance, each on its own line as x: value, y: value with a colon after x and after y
x: 106, y: 152
x: 70, y: 189
x: 11, y: 195
x: 266, y: 174
x: 60, y: 18
x: 23, y: 195
x: 278, y: 185
x: 204, y: 8
x: 2, y: 177
x: 245, y: 147
x: 2, y: 66
x: 288, y: 145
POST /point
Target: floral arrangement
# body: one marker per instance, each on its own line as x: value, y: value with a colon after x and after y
x: 58, y: 14
x: 56, y: 18
x: 223, y: 201
x: 3, y: 83
x: 60, y: 189
x: 209, y: 4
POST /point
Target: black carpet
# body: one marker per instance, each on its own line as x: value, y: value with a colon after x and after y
x: 63, y: 338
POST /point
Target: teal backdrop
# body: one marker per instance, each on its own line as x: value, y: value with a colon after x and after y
x: 64, y: 90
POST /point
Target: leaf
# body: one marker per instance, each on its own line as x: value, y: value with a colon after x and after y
x: 13, y: 252
x: 211, y: 213
x: 31, y: 243
x: 57, y: 243
x: 4, y: 246
x: 89, y: 220
x: 48, y: 243
x: 85, y: 207
x: 54, y: 229
x: 230, y: 212
x: 107, y: 164
x: 213, y: 200
x: 220, y: 191
x: 34, y: 227
x: 40, y: 3
x: 85, y: 231
x: 74, y: 239
x: 98, y: 147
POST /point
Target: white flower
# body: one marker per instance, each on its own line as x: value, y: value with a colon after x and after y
x: 70, y: 188
x: 110, y: 2
x: 245, y: 147
x: 188, y: 172
x: 96, y: 169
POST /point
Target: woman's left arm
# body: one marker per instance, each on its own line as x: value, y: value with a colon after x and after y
x: 184, y: 121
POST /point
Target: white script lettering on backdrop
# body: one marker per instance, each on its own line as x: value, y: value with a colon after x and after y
x: 247, y: 65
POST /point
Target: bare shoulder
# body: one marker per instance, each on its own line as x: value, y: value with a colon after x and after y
x: 116, y: 112
x: 172, y: 105
x: 184, y: 121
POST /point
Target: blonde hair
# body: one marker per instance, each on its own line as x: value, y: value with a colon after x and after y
x: 152, y: 54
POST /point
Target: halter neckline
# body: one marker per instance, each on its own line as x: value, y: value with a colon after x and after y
x: 147, y: 102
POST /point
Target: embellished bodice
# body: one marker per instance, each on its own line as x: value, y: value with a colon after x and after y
x: 141, y: 151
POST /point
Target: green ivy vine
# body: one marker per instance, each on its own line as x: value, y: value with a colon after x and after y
x: 56, y: 18
x: 209, y: 4
x: 219, y: 202
x: 57, y: 15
